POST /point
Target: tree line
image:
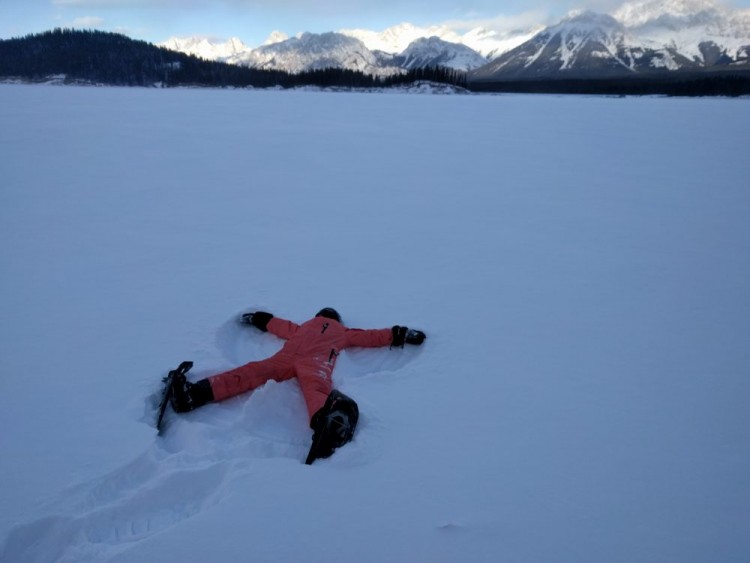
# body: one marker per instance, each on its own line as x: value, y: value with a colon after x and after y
x: 678, y: 83
x: 114, y: 59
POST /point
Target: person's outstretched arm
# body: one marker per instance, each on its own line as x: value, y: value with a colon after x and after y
x: 376, y: 338
x: 268, y: 323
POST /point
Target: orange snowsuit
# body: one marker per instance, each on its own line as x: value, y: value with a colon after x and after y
x: 309, y: 354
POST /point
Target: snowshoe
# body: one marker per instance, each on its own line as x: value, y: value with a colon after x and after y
x: 333, y: 426
x: 168, y: 381
x: 188, y: 396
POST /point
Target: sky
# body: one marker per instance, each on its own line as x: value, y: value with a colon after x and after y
x: 253, y: 20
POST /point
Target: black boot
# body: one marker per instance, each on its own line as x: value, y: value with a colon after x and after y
x: 333, y: 425
x: 188, y: 396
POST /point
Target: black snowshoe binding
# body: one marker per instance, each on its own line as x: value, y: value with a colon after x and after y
x: 188, y: 396
x: 333, y: 425
x: 166, y: 397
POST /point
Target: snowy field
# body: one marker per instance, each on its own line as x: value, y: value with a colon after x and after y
x: 581, y: 266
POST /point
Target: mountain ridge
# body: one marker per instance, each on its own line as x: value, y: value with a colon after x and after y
x: 587, y: 44
x: 640, y: 36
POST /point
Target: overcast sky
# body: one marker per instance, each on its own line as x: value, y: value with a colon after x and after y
x: 253, y: 20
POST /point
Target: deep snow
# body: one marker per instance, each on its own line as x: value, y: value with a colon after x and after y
x: 581, y: 266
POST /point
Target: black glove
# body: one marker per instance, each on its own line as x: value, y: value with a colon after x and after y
x: 402, y: 334
x: 258, y: 319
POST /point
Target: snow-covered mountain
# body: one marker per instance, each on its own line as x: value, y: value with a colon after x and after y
x: 488, y: 43
x: 640, y: 37
x: 689, y: 28
x: 307, y: 51
x: 492, y: 43
x: 349, y: 48
x: 397, y: 38
x: 314, y: 51
x: 206, y: 48
x: 433, y: 51
x: 583, y: 43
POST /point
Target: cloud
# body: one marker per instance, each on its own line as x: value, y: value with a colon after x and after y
x: 503, y: 23
x: 88, y: 22
x: 325, y: 6
x: 128, y: 4
x: 85, y: 3
x: 99, y: 3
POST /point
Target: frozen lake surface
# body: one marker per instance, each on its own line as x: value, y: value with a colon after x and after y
x: 581, y: 266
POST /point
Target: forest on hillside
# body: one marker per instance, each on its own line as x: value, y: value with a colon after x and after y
x: 98, y: 57
x: 115, y: 59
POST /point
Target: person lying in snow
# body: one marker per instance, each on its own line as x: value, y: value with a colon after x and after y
x: 309, y: 354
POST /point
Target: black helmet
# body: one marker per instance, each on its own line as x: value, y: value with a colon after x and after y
x: 329, y: 313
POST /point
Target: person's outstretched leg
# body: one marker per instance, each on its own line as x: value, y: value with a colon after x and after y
x: 250, y: 376
x: 187, y: 396
x: 315, y: 380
